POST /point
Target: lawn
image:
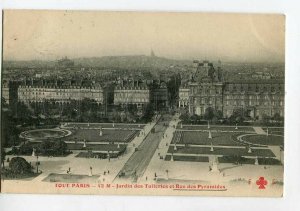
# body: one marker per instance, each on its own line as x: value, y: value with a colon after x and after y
x: 215, y: 128
x: 265, y: 140
x: 187, y: 158
x: 222, y: 151
x: 234, y: 159
x: 276, y: 131
x: 201, y: 138
x: 105, y: 125
x: 92, y: 135
x: 96, y: 147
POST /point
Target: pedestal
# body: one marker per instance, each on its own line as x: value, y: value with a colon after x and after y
x: 256, y: 161
x: 211, y: 148
x: 172, y: 159
x: 33, y: 152
x: 209, y: 135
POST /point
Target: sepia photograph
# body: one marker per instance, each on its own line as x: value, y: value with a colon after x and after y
x: 142, y: 103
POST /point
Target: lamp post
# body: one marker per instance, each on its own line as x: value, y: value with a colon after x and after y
x: 37, y: 164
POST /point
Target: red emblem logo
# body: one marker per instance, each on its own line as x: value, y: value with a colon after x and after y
x: 261, y: 182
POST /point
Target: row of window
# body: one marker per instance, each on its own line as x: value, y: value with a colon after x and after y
x: 140, y: 95
x: 266, y: 103
x: 253, y: 97
x: 144, y: 100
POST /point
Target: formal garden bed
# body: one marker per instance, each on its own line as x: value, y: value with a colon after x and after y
x: 201, y: 138
x: 222, y: 151
x: 187, y: 158
x: 93, y: 135
x: 236, y: 160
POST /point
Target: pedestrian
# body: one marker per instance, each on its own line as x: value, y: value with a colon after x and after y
x: 107, y: 171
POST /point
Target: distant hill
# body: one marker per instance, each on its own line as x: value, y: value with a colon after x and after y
x: 126, y: 62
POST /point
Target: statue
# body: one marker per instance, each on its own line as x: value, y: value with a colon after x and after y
x: 100, y: 133
x: 211, y: 147
x: 209, y: 134
x: 172, y: 159
x: 33, y: 152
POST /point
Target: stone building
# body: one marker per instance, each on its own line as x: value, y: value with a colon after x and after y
x: 59, y: 91
x: 254, y: 97
x: 5, y: 90
x: 134, y: 93
x: 159, y: 95
x: 207, y: 88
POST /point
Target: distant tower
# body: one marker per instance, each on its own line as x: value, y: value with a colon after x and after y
x: 152, y: 53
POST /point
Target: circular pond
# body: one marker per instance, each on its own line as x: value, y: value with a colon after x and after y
x: 43, y: 134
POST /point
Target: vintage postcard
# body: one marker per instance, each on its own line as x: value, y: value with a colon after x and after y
x: 142, y: 103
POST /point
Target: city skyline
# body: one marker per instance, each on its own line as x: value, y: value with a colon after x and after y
x: 45, y: 35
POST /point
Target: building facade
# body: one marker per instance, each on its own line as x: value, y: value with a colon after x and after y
x: 59, y: 91
x: 207, y: 89
x: 5, y: 91
x: 159, y: 95
x: 254, y: 98
x: 134, y: 93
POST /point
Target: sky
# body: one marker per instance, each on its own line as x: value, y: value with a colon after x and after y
x: 50, y: 35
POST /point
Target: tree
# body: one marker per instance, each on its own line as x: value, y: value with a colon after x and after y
x: 19, y: 166
x: 25, y: 149
x: 219, y: 114
x: 149, y: 112
x: 184, y: 117
x: 266, y: 119
x: 195, y: 118
x: 3, y: 154
x: 209, y: 114
x: 45, y: 146
x: 59, y: 147
x: 278, y: 118
x: 237, y: 115
x: 173, y: 88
